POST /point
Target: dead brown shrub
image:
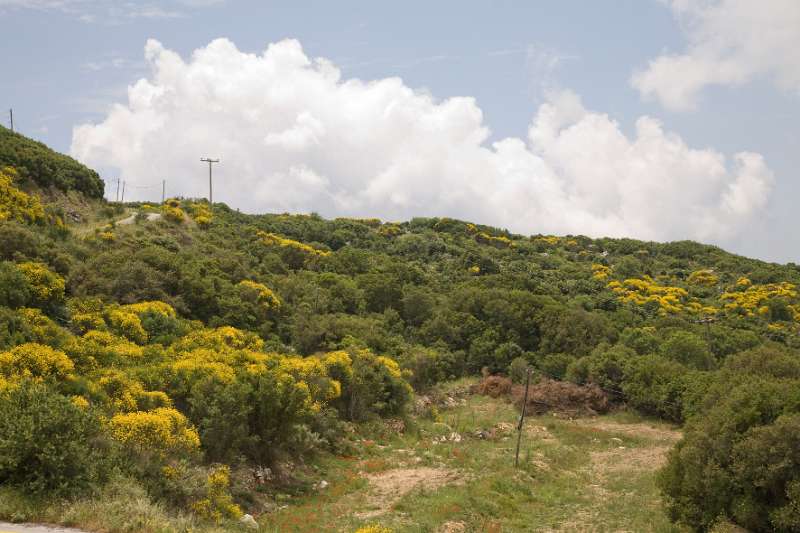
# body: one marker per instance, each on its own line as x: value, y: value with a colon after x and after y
x: 494, y: 386
x: 562, y: 396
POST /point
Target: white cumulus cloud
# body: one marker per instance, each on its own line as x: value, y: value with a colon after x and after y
x: 730, y: 42
x: 294, y: 136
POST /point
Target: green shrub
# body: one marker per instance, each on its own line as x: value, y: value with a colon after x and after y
x: 738, y: 460
x: 374, y: 387
x: 15, y: 291
x: 554, y: 365
x: 518, y: 369
x: 48, y: 444
x: 688, y: 349
x: 428, y: 366
x: 605, y: 367
x: 642, y: 340
x: 654, y: 385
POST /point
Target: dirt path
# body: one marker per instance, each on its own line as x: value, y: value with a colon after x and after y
x: 387, y: 488
x: 607, y: 467
x: 6, y: 527
x: 131, y: 219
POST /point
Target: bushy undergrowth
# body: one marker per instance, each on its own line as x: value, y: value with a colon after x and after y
x: 212, y: 337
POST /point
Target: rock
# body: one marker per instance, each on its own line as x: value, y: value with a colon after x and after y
x: 249, y: 521
x: 322, y: 485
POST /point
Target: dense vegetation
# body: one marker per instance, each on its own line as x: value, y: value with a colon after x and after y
x: 177, y: 350
x: 36, y: 163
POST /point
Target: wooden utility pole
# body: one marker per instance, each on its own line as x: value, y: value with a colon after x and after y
x: 707, y: 321
x: 11, y: 114
x: 522, y: 417
x: 117, y: 196
x: 210, y: 189
x: 163, y: 190
x: 123, y: 192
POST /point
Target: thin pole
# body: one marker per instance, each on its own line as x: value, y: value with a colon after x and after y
x: 123, y: 192
x: 163, y: 190
x: 210, y: 189
x: 117, y: 197
x: 522, y: 417
x: 11, y: 114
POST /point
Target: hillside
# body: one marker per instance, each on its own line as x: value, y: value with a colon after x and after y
x: 180, y: 353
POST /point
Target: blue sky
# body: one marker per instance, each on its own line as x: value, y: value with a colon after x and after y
x: 711, y: 73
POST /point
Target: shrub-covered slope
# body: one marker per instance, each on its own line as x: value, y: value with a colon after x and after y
x: 46, y: 168
x: 183, y: 347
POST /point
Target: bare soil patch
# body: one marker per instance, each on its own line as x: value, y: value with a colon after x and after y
x: 644, y: 430
x: 387, y: 488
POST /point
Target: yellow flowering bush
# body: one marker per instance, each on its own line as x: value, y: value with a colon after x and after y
x: 262, y: 294
x: 201, y: 213
x: 490, y: 240
x: 128, y: 395
x: 696, y: 308
x: 171, y: 211
x: 154, y: 306
x: 200, y: 364
x: 222, y: 338
x: 106, y: 236
x: 47, y: 286
x: 547, y: 240
x: 390, y: 230
x: 33, y: 360
x: 16, y: 204
x: 127, y: 324
x: 113, y: 344
x: 80, y: 401
x: 600, y: 272
x: 753, y: 297
x: 644, y: 290
x: 474, y: 270
x: 703, y: 277
x: 86, y: 314
x: 314, y: 373
x: 163, y: 431
x: 373, y: 528
x: 44, y: 330
x: 218, y: 503
x: 338, y: 365
x: 271, y: 239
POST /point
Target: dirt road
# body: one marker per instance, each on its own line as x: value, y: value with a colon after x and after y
x: 5, y: 527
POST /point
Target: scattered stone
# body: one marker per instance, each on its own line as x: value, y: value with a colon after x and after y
x: 452, y: 527
x: 269, y: 506
x: 262, y: 474
x: 322, y: 485
x: 249, y: 521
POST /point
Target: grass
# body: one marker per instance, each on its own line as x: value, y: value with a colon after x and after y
x: 585, y: 475
x: 449, y: 473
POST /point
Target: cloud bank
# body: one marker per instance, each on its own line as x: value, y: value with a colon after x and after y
x: 294, y: 136
x: 731, y: 42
